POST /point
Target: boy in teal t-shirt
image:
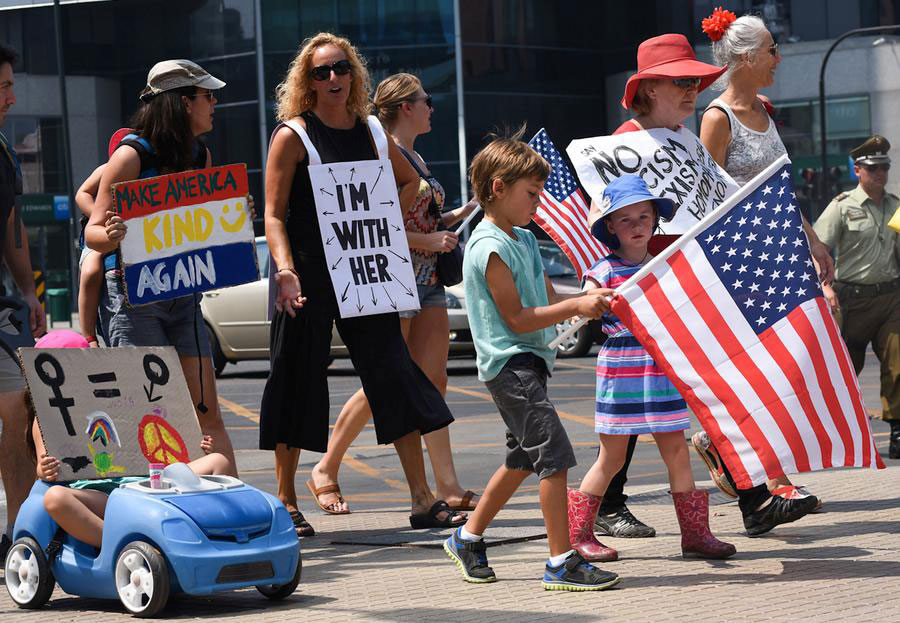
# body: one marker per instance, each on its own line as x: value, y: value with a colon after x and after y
x: 511, y: 305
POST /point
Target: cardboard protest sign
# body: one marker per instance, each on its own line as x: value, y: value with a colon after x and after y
x: 187, y: 232
x: 675, y: 165
x: 110, y: 412
x: 364, y: 237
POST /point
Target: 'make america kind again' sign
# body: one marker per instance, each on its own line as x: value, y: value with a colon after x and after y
x: 187, y: 232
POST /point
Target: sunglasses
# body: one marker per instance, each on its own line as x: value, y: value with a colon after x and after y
x: 323, y: 72
x: 773, y: 50
x: 686, y: 83
x: 871, y: 168
x: 207, y: 94
x: 428, y: 101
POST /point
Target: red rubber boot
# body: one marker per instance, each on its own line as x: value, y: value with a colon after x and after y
x: 692, y: 509
x: 582, y: 513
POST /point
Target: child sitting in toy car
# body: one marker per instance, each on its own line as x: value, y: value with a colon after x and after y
x: 78, y: 506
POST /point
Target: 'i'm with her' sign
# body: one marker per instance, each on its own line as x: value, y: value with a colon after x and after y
x: 187, y: 232
x: 364, y: 238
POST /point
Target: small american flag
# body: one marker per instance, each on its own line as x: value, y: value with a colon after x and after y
x: 734, y: 314
x: 563, y: 211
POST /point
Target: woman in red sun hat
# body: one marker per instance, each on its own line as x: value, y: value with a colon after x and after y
x: 662, y: 94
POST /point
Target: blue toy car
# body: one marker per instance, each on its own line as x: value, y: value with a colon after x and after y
x: 197, y: 535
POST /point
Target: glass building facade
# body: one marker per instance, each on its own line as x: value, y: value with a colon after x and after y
x: 540, y: 62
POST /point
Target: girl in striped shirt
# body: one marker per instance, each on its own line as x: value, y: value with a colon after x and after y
x: 633, y: 394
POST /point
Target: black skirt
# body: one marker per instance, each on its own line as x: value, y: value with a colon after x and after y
x: 295, y: 402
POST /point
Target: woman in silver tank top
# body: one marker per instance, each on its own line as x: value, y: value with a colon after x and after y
x: 738, y: 130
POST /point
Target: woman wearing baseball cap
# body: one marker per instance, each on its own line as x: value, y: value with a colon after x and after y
x: 662, y: 94
x: 177, y: 108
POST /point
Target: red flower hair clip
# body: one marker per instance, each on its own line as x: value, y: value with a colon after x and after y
x: 716, y: 24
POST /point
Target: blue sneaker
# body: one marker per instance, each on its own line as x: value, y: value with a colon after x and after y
x: 471, y: 559
x: 575, y: 574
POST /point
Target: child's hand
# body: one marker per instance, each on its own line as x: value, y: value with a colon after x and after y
x: 48, y: 467
x: 594, y: 302
x: 206, y: 444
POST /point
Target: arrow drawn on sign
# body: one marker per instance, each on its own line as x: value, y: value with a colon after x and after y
x: 393, y: 304
x: 328, y: 241
x: 374, y: 300
x: 402, y: 285
x: 359, y: 306
x: 344, y: 295
x: 327, y: 213
x: 388, y: 203
x: 332, y: 174
x: 395, y: 227
x: 352, y: 171
x: 333, y: 266
x: 403, y: 259
x: 380, y: 171
x: 322, y: 190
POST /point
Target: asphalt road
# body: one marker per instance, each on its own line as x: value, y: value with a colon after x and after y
x: 371, y: 476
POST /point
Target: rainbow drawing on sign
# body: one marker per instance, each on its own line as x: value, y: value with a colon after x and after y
x: 101, y: 428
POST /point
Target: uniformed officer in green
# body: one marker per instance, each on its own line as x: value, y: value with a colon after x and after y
x: 867, y: 271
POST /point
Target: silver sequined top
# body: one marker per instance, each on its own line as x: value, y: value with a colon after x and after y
x: 749, y: 151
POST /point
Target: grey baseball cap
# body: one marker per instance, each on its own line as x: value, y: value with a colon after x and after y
x: 177, y: 73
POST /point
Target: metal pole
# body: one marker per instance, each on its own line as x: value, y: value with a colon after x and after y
x: 460, y: 106
x: 823, y: 178
x: 261, y: 90
x: 64, y: 109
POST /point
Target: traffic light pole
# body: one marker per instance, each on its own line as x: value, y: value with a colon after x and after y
x: 823, y: 136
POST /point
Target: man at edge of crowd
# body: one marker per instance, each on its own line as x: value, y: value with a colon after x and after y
x: 867, y: 272
x: 16, y: 468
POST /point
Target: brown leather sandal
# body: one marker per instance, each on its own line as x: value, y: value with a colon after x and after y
x: 466, y: 504
x: 317, y: 491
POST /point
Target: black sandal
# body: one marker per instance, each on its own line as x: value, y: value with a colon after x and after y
x: 301, y: 525
x: 431, y: 519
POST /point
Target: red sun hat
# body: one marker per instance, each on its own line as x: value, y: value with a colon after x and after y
x: 669, y: 56
x: 117, y: 137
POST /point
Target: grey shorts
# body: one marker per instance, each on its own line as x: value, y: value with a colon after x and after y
x: 11, y: 379
x: 178, y: 322
x: 535, y: 438
x: 429, y: 296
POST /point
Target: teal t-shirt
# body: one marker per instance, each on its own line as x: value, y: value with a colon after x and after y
x: 495, y: 343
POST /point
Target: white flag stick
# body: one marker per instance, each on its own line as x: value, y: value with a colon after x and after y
x: 469, y: 218
x: 568, y: 332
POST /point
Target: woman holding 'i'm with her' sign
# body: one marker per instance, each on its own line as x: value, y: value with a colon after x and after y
x: 405, y: 110
x: 177, y: 108
x: 323, y: 105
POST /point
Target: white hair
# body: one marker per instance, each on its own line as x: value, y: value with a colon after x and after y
x: 744, y: 36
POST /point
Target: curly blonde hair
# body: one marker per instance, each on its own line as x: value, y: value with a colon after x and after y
x: 295, y: 94
x: 390, y: 95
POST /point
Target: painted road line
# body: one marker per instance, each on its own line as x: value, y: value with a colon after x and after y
x: 239, y: 410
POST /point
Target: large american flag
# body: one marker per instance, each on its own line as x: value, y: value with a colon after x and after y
x: 734, y: 314
x: 563, y: 211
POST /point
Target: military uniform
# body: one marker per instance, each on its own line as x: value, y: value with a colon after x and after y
x: 867, y: 277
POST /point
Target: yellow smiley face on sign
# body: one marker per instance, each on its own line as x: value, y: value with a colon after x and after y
x: 236, y: 226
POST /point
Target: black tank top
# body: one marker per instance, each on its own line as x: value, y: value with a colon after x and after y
x: 333, y: 145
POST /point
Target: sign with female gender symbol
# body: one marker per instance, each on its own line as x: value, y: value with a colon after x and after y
x: 364, y: 239
x: 106, y: 412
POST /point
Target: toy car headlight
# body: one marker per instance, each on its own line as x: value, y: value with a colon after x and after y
x: 180, y: 530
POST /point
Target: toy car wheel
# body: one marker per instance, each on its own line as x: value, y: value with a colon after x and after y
x: 280, y: 591
x: 142, y: 579
x: 29, y: 579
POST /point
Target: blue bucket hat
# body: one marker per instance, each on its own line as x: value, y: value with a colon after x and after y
x: 620, y: 193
